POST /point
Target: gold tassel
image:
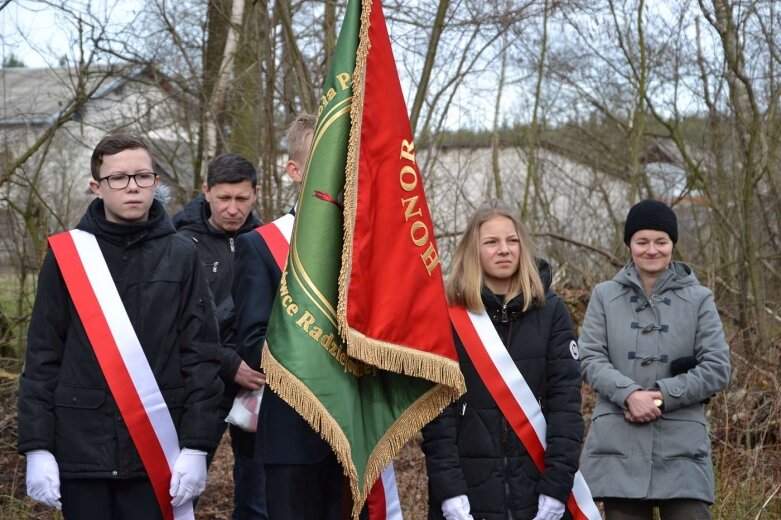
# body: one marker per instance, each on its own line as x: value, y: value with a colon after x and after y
x: 405, y: 360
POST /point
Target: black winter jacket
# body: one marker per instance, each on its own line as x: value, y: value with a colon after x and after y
x: 216, y: 251
x: 65, y: 405
x: 470, y: 448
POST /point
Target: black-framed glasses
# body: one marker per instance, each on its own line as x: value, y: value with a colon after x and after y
x: 120, y: 181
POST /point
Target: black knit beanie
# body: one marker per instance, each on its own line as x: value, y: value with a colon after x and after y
x: 651, y: 214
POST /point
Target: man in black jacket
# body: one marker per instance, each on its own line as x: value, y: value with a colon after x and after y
x: 213, y: 220
x: 82, y: 446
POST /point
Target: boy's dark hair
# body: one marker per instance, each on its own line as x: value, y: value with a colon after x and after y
x: 231, y: 168
x: 113, y: 144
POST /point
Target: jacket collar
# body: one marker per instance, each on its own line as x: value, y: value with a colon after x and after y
x: 94, y: 221
x: 676, y: 276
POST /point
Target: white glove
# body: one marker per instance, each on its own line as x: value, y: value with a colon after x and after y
x: 188, y: 478
x: 456, y: 508
x: 43, y: 478
x: 548, y: 508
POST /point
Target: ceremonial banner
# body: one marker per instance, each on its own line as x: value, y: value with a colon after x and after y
x: 359, y: 339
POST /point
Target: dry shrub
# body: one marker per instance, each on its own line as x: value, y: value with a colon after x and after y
x: 412, y: 479
x: 745, y: 422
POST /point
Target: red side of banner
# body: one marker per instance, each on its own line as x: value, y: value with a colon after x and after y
x: 395, y: 277
x: 114, y: 369
x: 276, y: 242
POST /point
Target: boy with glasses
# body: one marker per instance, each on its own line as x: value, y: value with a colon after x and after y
x: 118, y: 399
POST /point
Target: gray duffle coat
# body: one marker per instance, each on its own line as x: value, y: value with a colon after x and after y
x: 629, y: 342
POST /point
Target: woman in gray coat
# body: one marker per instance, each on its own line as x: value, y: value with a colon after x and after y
x: 653, y: 349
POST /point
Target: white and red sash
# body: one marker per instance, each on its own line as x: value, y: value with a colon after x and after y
x: 277, y: 236
x: 383, y: 501
x: 122, y: 360
x: 515, y: 399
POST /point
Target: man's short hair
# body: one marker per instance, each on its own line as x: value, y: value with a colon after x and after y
x: 297, y: 132
x: 112, y: 144
x: 231, y: 168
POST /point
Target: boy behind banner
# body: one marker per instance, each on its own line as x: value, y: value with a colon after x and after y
x: 80, y: 453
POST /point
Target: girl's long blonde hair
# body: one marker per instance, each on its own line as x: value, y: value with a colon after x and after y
x: 466, y: 277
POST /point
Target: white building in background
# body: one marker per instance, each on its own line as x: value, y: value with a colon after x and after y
x: 38, y: 119
x: 580, y: 203
x: 38, y: 105
x: 574, y: 201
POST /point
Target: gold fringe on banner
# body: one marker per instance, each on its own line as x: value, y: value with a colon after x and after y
x: 306, y: 404
x: 428, y: 406
x: 351, y: 167
x: 405, y: 360
x: 444, y: 373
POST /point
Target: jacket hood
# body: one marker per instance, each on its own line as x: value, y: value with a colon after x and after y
x: 495, y: 303
x: 94, y: 221
x: 195, y: 217
x: 677, y: 276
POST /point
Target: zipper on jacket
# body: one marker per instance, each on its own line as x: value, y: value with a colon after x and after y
x: 505, y: 431
x: 233, y: 246
x: 509, y: 337
x: 204, y: 327
x: 505, y: 468
x: 214, y: 266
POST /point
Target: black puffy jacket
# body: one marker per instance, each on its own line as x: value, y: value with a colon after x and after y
x: 216, y: 251
x: 65, y: 405
x: 470, y: 448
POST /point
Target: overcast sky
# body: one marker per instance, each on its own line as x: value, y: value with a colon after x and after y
x: 39, y: 34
